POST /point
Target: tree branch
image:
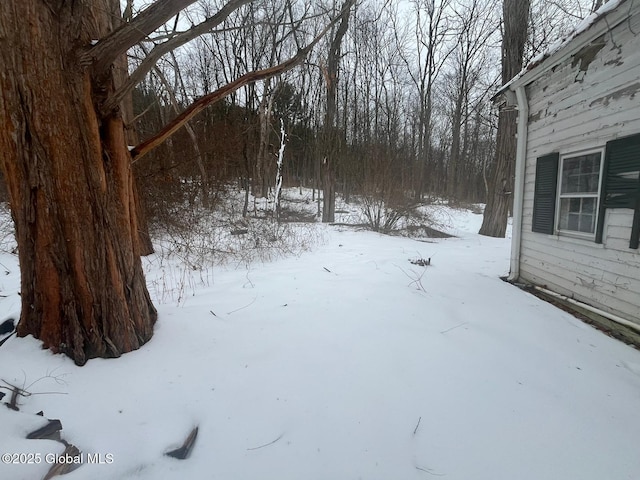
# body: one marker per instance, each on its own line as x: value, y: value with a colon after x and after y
x: 105, y: 52
x: 200, y: 104
x: 112, y: 102
x: 145, y: 147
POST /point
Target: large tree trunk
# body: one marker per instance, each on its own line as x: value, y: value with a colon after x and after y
x: 330, y: 132
x: 496, y: 213
x: 120, y: 73
x: 328, y: 190
x: 500, y: 198
x: 70, y: 184
x: 262, y: 159
x: 454, y: 159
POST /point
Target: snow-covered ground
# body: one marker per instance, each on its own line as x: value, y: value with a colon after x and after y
x: 345, y: 362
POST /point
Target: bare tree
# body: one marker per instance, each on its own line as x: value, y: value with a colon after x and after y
x: 330, y: 136
x: 424, y: 59
x: 68, y: 169
x: 494, y: 223
x: 475, y: 28
x: 553, y: 20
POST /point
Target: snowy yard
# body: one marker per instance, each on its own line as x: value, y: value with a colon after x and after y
x: 346, y: 362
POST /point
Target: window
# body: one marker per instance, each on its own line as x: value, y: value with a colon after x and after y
x: 579, y: 192
x: 573, y: 192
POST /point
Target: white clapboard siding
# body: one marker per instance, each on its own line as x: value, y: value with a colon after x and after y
x: 571, y: 289
x: 569, y: 111
x: 617, y: 230
x: 577, y: 258
x: 587, y: 272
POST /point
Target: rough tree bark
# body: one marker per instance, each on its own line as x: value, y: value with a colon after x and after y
x: 70, y: 184
x: 121, y: 72
x: 500, y: 198
x: 68, y: 168
x: 330, y: 134
x: 265, y: 109
x: 456, y: 120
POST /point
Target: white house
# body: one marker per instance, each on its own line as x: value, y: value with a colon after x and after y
x: 577, y: 196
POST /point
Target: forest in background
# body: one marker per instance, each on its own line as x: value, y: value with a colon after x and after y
x: 413, y: 120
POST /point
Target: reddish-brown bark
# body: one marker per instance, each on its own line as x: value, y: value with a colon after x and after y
x: 70, y: 184
x: 165, y: 47
x: 118, y: 40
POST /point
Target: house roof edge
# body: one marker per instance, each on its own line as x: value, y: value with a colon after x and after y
x: 598, y: 23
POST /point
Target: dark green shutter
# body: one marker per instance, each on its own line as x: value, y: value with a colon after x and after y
x: 544, y: 200
x: 621, y: 183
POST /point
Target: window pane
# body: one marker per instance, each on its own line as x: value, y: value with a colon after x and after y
x: 574, y: 204
x: 581, y: 174
x: 574, y: 221
x: 563, y: 220
x: 589, y: 205
x: 586, y: 223
x: 578, y: 214
x: 570, y: 174
x: 592, y: 182
x: 588, y: 167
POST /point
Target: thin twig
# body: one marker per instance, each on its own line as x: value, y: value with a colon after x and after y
x: 248, y: 279
x: 10, y: 386
x: 56, y: 378
x: 49, y: 393
x: 5, y: 339
x: 416, y: 429
x: 453, y: 328
x: 430, y: 472
x: 267, y: 444
x: 15, y: 393
x: 241, y: 308
x: 417, y: 280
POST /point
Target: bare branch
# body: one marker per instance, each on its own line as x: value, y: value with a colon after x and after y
x: 159, y: 50
x: 266, y: 444
x: 251, y: 77
x: 105, y: 52
x: 199, y: 105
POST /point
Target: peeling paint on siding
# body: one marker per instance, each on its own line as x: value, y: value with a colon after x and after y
x: 535, y: 117
x: 629, y: 91
x: 587, y: 54
x: 615, y: 62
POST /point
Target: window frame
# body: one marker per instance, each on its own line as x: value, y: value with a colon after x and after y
x: 560, y: 196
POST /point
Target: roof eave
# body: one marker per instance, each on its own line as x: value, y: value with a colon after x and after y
x: 601, y: 25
